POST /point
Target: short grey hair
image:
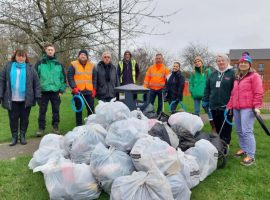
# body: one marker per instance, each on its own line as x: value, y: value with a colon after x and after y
x: 105, y: 53
x: 224, y: 56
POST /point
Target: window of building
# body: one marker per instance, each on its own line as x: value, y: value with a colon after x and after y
x: 261, y: 67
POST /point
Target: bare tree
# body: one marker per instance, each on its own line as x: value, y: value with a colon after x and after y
x: 73, y: 24
x: 191, y: 51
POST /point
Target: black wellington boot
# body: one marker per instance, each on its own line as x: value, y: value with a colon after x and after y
x: 22, y: 138
x: 14, y: 139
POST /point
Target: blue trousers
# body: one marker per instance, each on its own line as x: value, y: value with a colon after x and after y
x: 244, y: 122
x: 153, y: 94
x: 197, y: 106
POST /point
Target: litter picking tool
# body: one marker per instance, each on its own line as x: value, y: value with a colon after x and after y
x: 261, y: 122
x: 225, y: 120
x: 83, y: 101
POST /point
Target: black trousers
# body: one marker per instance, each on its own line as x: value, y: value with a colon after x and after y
x: 153, y: 94
x: 78, y: 105
x: 218, y: 118
x: 19, y: 114
x: 55, y: 100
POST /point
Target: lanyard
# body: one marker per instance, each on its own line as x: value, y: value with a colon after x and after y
x: 220, y: 76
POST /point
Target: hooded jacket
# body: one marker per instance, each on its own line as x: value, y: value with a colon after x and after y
x: 218, y: 97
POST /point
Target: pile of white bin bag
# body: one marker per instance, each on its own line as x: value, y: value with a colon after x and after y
x: 113, y: 152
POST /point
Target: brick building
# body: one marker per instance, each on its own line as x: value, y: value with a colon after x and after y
x: 260, y: 57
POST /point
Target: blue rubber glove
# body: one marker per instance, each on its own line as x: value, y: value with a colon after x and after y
x: 205, y: 104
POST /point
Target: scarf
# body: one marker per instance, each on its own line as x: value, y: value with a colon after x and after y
x: 22, y: 78
x: 107, y: 72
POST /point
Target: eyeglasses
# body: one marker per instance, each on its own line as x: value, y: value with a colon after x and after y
x: 106, y: 57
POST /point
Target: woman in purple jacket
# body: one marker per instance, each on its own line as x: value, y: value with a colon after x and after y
x: 247, y: 94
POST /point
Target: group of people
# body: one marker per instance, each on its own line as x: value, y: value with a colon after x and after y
x: 22, y: 85
x: 239, y: 93
x: 226, y: 94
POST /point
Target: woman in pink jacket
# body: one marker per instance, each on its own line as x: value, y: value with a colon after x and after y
x: 247, y: 94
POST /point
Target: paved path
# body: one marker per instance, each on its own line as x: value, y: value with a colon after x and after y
x: 7, y: 152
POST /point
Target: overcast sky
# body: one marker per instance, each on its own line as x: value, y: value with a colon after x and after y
x: 219, y: 24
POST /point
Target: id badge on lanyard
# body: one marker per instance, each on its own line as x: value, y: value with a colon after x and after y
x: 218, y: 84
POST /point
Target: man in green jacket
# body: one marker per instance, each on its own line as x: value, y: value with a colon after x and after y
x: 53, y: 84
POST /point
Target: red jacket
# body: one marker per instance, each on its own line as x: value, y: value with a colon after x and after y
x: 247, y: 93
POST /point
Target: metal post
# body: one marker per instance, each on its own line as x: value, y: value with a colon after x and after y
x: 120, y: 28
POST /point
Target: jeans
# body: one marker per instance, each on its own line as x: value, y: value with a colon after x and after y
x: 218, y: 118
x: 78, y: 105
x: 174, y: 105
x: 19, y: 114
x: 153, y: 94
x: 197, y: 106
x: 244, y: 122
x: 55, y: 100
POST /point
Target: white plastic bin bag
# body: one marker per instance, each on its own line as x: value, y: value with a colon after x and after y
x: 108, y: 164
x: 206, y: 155
x: 179, y: 187
x: 84, y: 145
x: 189, y: 168
x: 67, y: 180
x: 191, y: 122
x: 124, y: 133
x: 164, y: 156
x: 142, y: 186
x: 112, y: 111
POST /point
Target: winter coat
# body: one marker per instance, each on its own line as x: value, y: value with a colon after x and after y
x: 247, y: 92
x: 155, y: 77
x: 32, y: 92
x: 105, y: 88
x: 51, y: 75
x: 197, y: 82
x: 218, y: 97
x: 175, y: 86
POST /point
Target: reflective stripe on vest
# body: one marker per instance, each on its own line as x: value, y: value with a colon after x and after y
x: 83, y: 75
x: 133, y: 64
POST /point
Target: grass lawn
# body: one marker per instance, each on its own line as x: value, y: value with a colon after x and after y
x: 17, y: 182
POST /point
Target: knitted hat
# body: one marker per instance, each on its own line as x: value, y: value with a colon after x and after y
x: 245, y: 57
x: 83, y: 51
x: 198, y: 58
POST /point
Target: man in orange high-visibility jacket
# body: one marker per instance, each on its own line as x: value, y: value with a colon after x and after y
x: 155, y: 80
x: 80, y: 80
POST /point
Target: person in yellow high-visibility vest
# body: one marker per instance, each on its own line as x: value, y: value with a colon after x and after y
x: 128, y: 69
x: 80, y: 80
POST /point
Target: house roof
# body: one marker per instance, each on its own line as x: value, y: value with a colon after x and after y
x: 255, y: 54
